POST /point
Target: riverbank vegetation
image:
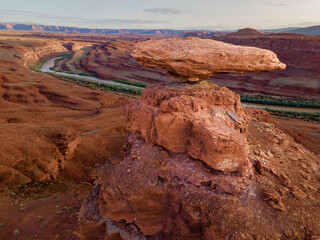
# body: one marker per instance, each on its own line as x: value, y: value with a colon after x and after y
x: 137, y: 84
x: 281, y: 101
x: 134, y: 91
x: 305, y: 116
x: 63, y: 57
x: 38, y: 66
x: 99, y: 85
x: 58, y: 59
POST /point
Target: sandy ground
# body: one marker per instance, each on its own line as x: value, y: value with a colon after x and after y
x: 305, y: 133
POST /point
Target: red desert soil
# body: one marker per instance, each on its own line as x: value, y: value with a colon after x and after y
x: 50, y: 130
x: 305, y: 133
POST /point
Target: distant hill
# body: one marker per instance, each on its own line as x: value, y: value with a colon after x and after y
x: 312, y: 31
x: 245, y: 32
x: 279, y: 30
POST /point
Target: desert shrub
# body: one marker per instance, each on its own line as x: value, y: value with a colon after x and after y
x: 88, y: 74
x: 137, y: 84
x: 65, y: 55
x: 277, y: 101
x: 305, y: 116
x: 99, y: 85
x: 60, y: 58
x: 38, y: 66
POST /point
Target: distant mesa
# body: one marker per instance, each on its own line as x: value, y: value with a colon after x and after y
x: 195, y: 59
x: 246, y: 32
x: 78, y: 30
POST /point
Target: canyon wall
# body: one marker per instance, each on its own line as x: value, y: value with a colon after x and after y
x: 112, y: 60
x: 32, y: 55
x: 45, y: 121
x: 300, y: 53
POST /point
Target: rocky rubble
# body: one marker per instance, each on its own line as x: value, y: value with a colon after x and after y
x: 189, y: 171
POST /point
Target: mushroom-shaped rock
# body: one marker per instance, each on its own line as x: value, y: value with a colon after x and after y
x: 194, y: 59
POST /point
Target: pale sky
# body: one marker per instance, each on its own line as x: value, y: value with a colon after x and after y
x: 170, y: 14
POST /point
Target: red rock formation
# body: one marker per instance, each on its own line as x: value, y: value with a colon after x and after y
x: 179, y: 135
x: 188, y: 173
x: 112, y: 60
x: 75, y: 46
x: 157, y: 190
x: 32, y: 55
x: 194, y: 59
x: 245, y: 32
x: 203, y: 120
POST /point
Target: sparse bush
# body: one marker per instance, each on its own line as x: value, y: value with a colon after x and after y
x: 277, y: 101
x: 99, y: 85
x: 38, y: 67
x: 305, y: 116
x: 88, y: 74
x: 137, y: 84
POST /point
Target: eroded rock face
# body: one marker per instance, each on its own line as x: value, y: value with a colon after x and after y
x: 194, y: 59
x: 155, y: 194
x: 166, y: 195
x: 182, y: 137
x: 33, y: 55
x: 201, y: 120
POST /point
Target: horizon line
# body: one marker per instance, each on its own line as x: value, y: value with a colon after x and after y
x: 172, y: 29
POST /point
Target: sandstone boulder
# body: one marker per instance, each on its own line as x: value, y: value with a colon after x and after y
x: 194, y: 59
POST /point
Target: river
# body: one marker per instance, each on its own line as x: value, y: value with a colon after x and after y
x: 50, y: 63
